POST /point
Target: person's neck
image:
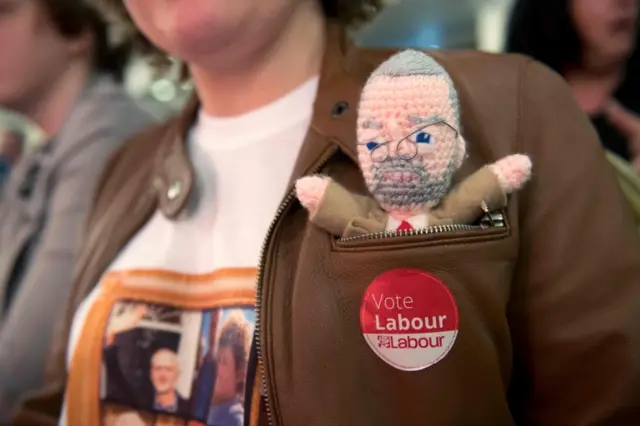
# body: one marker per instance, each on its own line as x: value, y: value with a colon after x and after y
x: 166, y: 399
x: 53, y: 106
x: 594, y: 86
x: 611, y: 73
x: 293, y: 58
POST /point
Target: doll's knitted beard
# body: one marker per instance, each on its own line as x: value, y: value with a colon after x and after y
x: 419, y: 192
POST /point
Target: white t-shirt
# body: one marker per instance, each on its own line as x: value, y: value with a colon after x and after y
x: 157, y: 340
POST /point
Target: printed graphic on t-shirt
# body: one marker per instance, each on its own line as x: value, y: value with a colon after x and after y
x: 160, y: 348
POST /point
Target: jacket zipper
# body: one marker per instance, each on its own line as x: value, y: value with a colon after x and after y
x: 259, y: 278
x: 490, y: 219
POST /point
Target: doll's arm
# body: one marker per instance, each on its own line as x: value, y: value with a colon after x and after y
x: 490, y: 185
x: 512, y: 172
x: 310, y: 191
x: 331, y: 206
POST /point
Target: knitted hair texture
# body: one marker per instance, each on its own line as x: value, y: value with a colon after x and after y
x: 412, y: 62
x: 409, y: 105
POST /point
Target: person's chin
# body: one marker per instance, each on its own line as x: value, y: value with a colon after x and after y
x: 199, y: 47
x: 621, y: 47
x: 214, y: 43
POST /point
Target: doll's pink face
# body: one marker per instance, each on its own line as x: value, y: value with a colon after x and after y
x: 408, y: 142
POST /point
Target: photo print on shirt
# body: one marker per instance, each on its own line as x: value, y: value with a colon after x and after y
x: 163, y: 365
x: 159, y: 347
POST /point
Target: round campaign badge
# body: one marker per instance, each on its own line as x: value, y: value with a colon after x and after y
x: 409, y: 319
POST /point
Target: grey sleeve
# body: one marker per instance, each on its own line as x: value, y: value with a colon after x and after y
x: 25, y: 336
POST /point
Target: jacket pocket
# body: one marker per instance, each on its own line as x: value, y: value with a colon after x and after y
x: 492, y: 226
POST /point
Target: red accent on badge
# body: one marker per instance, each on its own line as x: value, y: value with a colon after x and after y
x: 409, y: 318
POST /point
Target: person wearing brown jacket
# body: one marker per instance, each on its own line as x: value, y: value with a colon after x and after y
x: 533, y: 320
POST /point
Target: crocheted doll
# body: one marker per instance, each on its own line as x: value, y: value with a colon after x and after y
x: 409, y: 148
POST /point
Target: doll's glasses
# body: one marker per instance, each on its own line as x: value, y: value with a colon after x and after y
x: 407, y: 147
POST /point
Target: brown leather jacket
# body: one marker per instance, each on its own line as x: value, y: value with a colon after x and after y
x: 549, y: 302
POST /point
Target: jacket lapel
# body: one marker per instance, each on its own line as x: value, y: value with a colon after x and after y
x: 334, y: 118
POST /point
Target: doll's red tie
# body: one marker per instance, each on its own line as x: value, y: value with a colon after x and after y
x: 405, y: 226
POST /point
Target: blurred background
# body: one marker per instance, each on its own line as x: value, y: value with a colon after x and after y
x: 456, y: 25
x: 545, y: 31
x: 450, y: 24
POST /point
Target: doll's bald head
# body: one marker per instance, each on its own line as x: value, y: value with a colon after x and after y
x: 409, y: 145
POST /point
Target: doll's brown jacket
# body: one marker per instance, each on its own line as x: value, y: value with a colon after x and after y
x: 350, y: 215
x: 549, y: 302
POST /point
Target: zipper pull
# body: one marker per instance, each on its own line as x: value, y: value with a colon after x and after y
x: 491, y: 219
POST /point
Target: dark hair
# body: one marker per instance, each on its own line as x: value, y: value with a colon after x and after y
x: 346, y: 12
x: 73, y: 17
x: 545, y: 31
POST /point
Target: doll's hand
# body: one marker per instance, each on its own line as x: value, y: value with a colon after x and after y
x: 310, y: 190
x: 512, y: 171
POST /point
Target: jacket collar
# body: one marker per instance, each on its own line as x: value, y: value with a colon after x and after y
x: 333, y: 124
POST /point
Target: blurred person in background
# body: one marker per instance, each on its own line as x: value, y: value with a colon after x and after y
x: 58, y: 70
x: 191, y: 214
x: 592, y: 44
x: 11, y: 146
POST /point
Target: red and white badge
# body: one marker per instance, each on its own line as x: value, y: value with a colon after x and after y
x: 409, y: 318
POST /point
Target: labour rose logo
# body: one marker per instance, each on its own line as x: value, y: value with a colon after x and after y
x: 385, y: 341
